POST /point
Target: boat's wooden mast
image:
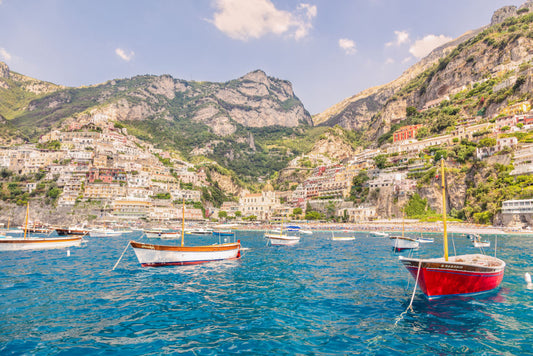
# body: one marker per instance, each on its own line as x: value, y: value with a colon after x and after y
x: 445, y: 235
x: 183, y: 222
x: 27, y: 216
x: 403, y: 222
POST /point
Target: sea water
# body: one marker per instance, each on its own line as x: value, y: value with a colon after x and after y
x: 319, y: 297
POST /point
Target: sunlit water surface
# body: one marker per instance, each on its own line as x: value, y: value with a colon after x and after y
x: 318, y: 297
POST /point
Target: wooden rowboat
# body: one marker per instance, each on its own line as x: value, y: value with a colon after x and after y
x: 15, y: 244
x: 150, y: 255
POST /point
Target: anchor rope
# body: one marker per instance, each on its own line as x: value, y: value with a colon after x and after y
x: 410, y: 307
x: 123, y: 252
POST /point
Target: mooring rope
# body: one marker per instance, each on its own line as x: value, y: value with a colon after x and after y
x: 123, y: 252
x: 410, y: 307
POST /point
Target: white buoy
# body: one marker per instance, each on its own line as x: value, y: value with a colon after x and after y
x: 527, y: 277
x: 68, y: 252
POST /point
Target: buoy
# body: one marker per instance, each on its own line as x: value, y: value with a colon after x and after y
x: 68, y: 252
x: 527, y: 277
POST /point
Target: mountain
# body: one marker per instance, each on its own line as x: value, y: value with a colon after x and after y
x: 493, y: 53
x: 233, y: 123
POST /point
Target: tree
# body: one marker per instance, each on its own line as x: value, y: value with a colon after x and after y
x: 422, y: 132
x: 440, y: 154
x: 381, y: 161
x: 487, y: 142
x: 417, y: 207
x: 297, y: 211
x: 411, y: 111
x: 312, y: 215
x: 238, y: 214
x: 222, y: 214
x: 330, y: 208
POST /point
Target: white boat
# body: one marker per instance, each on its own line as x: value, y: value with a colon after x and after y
x: 13, y: 231
x: 279, y: 239
x: 150, y: 255
x: 481, y: 243
x: 104, y: 232
x: 8, y: 243
x: 425, y: 240
x: 298, y: 229
x: 477, y: 242
x: 400, y: 243
x: 342, y: 237
x: 161, y: 233
x: 199, y: 231
x: 380, y: 234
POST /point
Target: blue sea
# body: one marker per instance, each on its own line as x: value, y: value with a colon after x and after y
x: 320, y: 297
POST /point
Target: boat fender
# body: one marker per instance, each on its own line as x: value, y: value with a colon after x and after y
x: 527, y: 277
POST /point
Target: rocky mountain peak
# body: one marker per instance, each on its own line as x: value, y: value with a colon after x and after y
x: 502, y: 14
x: 4, y: 70
x: 257, y: 76
x: 527, y: 5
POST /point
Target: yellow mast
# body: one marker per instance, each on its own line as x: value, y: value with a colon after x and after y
x: 27, y: 216
x: 183, y: 222
x: 444, y: 211
x: 403, y: 221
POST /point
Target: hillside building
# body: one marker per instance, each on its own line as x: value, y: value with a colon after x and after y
x: 406, y: 133
x: 262, y: 205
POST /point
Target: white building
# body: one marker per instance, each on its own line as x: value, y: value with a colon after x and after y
x: 261, y: 204
x: 523, y: 161
x: 501, y: 143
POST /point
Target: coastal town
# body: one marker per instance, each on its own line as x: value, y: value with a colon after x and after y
x: 94, y: 160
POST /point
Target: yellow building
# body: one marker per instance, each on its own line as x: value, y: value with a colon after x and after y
x: 518, y: 108
x: 130, y: 207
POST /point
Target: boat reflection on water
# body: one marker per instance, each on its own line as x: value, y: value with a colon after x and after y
x: 465, y: 317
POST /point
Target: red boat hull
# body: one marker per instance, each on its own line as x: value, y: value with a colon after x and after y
x: 438, y: 279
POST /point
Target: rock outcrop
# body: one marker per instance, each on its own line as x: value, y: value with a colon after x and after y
x: 4, y: 70
x: 502, y: 14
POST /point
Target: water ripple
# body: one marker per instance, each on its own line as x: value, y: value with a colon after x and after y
x: 318, y: 297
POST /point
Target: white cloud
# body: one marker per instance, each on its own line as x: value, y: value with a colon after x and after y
x: 390, y: 61
x: 246, y: 19
x: 401, y: 38
x: 4, y: 54
x: 127, y: 56
x: 406, y: 59
x: 347, y: 45
x: 424, y: 46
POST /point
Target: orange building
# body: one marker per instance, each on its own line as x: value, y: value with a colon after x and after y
x: 406, y: 133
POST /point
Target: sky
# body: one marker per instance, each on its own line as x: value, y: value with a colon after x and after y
x: 328, y: 49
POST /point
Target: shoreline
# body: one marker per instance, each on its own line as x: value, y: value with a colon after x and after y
x: 394, y: 227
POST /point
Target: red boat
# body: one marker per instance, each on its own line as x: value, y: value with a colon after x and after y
x: 456, y: 275
x: 460, y: 275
